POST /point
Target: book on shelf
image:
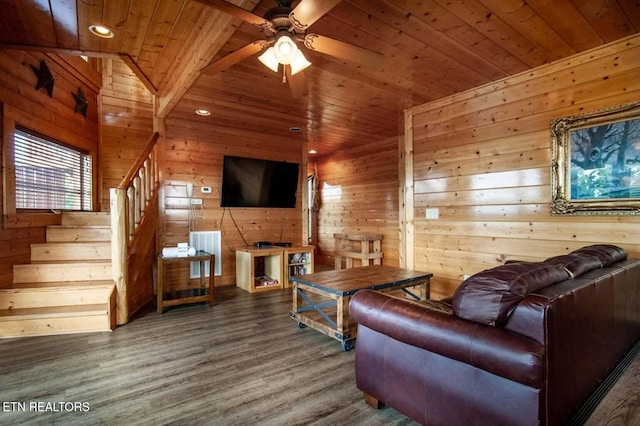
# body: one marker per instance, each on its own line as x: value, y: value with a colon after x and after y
x: 297, y: 270
x: 299, y: 258
x: 264, y: 280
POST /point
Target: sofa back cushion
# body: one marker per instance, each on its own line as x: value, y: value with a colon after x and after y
x: 489, y: 296
x: 576, y: 264
x: 607, y: 253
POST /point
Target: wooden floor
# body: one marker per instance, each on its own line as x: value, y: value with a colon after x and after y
x: 242, y: 362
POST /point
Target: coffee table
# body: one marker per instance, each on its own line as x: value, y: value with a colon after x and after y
x: 321, y: 300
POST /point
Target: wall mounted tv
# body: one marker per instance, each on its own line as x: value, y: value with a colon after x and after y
x: 250, y: 182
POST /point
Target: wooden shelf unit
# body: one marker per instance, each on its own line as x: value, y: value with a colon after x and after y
x: 299, y: 261
x: 273, y: 262
x: 364, y: 247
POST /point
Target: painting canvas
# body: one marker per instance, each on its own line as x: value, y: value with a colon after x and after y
x: 605, y: 161
x: 596, y: 162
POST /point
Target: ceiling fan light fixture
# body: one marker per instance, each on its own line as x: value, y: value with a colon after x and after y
x: 268, y: 58
x: 299, y: 63
x: 285, y: 48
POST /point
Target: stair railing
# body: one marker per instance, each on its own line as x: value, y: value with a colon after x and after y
x: 129, y: 202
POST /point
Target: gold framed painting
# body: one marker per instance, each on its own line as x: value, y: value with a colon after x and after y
x: 595, y: 162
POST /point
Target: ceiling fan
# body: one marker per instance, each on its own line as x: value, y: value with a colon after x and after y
x: 284, y: 28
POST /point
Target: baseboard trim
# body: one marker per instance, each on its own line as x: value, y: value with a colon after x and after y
x: 589, y: 406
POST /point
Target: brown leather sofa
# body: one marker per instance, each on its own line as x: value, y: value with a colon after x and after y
x: 521, y: 344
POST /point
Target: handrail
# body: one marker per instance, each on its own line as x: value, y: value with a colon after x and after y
x: 129, y: 201
x: 142, y: 157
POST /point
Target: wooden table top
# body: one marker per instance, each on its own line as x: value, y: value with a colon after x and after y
x: 346, y: 282
x: 200, y: 255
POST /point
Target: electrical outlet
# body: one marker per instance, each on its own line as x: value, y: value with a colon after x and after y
x: 206, y: 190
x: 196, y: 201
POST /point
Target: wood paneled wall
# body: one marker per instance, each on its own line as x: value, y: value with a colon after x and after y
x: 53, y: 117
x: 127, y: 123
x: 482, y: 158
x: 194, y: 152
x: 359, y: 194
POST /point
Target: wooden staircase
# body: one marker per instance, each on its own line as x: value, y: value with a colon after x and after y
x: 68, y: 287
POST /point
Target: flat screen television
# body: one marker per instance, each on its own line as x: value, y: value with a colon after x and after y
x: 250, y: 182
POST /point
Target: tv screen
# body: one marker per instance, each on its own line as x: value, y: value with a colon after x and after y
x: 250, y: 182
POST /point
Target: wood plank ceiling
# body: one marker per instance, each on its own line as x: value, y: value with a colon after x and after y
x: 431, y: 48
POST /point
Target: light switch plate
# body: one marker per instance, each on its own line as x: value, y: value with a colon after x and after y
x: 431, y: 213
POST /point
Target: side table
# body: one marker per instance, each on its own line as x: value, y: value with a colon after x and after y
x: 202, y: 294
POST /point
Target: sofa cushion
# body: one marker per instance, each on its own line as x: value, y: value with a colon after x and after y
x: 489, y: 296
x: 607, y: 253
x: 576, y: 264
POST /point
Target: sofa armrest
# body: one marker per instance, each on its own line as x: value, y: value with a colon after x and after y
x: 492, y: 349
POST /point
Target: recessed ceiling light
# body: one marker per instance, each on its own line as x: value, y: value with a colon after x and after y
x: 203, y: 112
x: 295, y: 129
x: 101, y: 31
x: 313, y: 151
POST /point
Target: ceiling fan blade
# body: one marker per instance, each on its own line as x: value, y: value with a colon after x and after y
x: 236, y: 12
x: 234, y: 57
x: 343, y: 50
x: 309, y: 11
x: 297, y: 83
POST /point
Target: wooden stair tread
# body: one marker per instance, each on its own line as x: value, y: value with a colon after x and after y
x: 79, y: 226
x: 47, y: 297
x: 51, y: 265
x: 54, y: 311
x: 67, y: 262
x: 75, y: 271
x: 78, y: 233
x: 59, y: 244
x: 75, y: 286
x: 62, y: 245
x: 63, y: 284
x: 86, y: 218
x: 58, y: 251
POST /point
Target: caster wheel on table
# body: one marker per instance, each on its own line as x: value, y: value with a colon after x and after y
x: 301, y: 325
x: 347, y: 345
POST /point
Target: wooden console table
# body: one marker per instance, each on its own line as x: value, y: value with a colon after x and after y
x: 202, y: 294
x: 369, y: 249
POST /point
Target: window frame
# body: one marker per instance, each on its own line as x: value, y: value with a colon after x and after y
x: 11, y: 118
x: 63, y: 146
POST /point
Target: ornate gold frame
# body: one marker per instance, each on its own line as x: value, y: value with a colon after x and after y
x: 562, y: 130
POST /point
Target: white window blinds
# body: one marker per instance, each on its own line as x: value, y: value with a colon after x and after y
x: 50, y: 175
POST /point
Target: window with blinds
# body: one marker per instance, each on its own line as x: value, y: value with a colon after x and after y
x: 50, y: 175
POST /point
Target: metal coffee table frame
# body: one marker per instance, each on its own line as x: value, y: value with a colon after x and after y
x: 321, y: 300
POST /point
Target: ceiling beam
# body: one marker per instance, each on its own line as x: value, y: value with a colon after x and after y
x: 125, y: 57
x: 210, y: 38
x: 59, y: 50
x: 133, y: 65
